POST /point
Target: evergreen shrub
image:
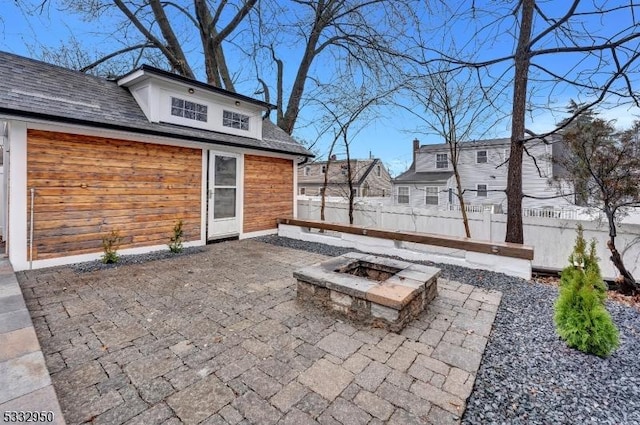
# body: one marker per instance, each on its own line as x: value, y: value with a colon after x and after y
x: 580, y: 315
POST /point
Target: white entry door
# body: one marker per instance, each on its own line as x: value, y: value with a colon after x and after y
x: 223, y: 199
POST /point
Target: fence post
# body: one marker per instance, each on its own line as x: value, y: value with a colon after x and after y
x: 379, y: 216
x: 486, y: 224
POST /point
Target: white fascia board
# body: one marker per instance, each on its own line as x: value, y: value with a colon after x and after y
x: 225, y: 99
x: 133, y: 78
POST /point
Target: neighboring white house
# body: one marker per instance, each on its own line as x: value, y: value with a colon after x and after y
x: 483, y: 168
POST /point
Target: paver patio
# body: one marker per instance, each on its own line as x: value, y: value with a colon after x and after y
x: 218, y: 337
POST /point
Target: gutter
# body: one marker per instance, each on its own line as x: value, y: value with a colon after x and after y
x: 36, y: 115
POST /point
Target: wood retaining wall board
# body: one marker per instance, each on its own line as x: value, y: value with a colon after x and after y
x: 268, y: 192
x: 87, y: 186
x: 505, y: 249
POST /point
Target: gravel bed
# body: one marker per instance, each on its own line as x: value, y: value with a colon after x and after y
x: 528, y: 375
x: 125, y: 260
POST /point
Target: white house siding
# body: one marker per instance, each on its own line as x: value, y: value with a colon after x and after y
x: 417, y: 194
x: 493, y: 173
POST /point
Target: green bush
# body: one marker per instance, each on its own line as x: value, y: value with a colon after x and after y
x: 110, y: 245
x: 580, y: 316
x: 175, y: 242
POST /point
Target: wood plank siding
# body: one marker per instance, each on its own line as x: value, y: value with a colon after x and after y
x: 268, y: 191
x: 86, y: 186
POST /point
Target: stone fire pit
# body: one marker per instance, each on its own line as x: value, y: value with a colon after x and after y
x: 376, y: 290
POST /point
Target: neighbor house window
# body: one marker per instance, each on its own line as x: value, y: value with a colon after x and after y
x: 324, y: 169
x: 481, y: 190
x: 187, y: 109
x: 481, y: 157
x: 303, y: 191
x: 306, y: 171
x: 235, y: 120
x: 403, y: 195
x: 442, y: 160
x: 431, y: 195
x: 378, y: 172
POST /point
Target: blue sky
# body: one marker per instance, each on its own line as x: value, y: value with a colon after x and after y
x: 389, y: 136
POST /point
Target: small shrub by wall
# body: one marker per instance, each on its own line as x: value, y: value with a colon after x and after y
x: 580, y: 316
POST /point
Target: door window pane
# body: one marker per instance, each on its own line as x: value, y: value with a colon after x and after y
x: 224, y: 205
x: 225, y: 171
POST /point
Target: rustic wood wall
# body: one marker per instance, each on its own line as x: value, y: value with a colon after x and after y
x: 268, y: 191
x: 87, y: 186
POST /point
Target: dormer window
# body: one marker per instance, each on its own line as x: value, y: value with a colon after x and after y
x: 235, y: 120
x: 442, y: 160
x: 187, y: 109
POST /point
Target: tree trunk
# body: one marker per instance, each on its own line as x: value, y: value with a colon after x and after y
x: 180, y: 60
x: 460, y: 195
x: 326, y: 180
x: 514, y: 179
x: 349, y: 176
x: 627, y: 283
x: 293, y: 106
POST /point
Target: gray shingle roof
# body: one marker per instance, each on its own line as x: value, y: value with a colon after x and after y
x: 34, y: 89
x: 466, y: 145
x: 410, y: 176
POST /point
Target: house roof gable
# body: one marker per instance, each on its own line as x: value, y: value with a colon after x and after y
x: 362, y: 168
x: 144, y: 70
x: 37, y: 90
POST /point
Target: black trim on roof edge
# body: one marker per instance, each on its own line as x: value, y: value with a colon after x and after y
x: 171, y: 75
x: 76, y: 121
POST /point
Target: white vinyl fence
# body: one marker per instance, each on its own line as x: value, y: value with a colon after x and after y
x: 551, y: 238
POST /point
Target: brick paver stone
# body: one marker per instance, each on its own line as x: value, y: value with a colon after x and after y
x: 151, y: 367
x: 260, y: 382
x: 374, y: 405
x: 288, y: 396
x: 402, y: 417
x: 156, y: 415
x: 326, y: 378
x: 297, y: 417
x: 446, y: 401
x: 217, y: 337
x: 346, y: 412
x: 402, y: 359
x: 372, y: 376
x: 339, y: 345
x: 256, y: 410
x: 200, y: 400
x: 463, y: 358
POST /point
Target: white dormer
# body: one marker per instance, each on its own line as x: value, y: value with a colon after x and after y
x: 170, y: 98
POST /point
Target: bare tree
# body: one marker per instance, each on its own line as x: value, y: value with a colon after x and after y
x: 607, y: 165
x: 355, y: 35
x: 346, y: 115
x: 360, y: 36
x: 455, y: 109
x: 598, y: 45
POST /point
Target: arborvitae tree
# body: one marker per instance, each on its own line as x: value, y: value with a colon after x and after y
x: 580, y: 316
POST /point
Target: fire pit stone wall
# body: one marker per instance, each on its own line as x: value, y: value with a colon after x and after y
x: 375, y: 290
